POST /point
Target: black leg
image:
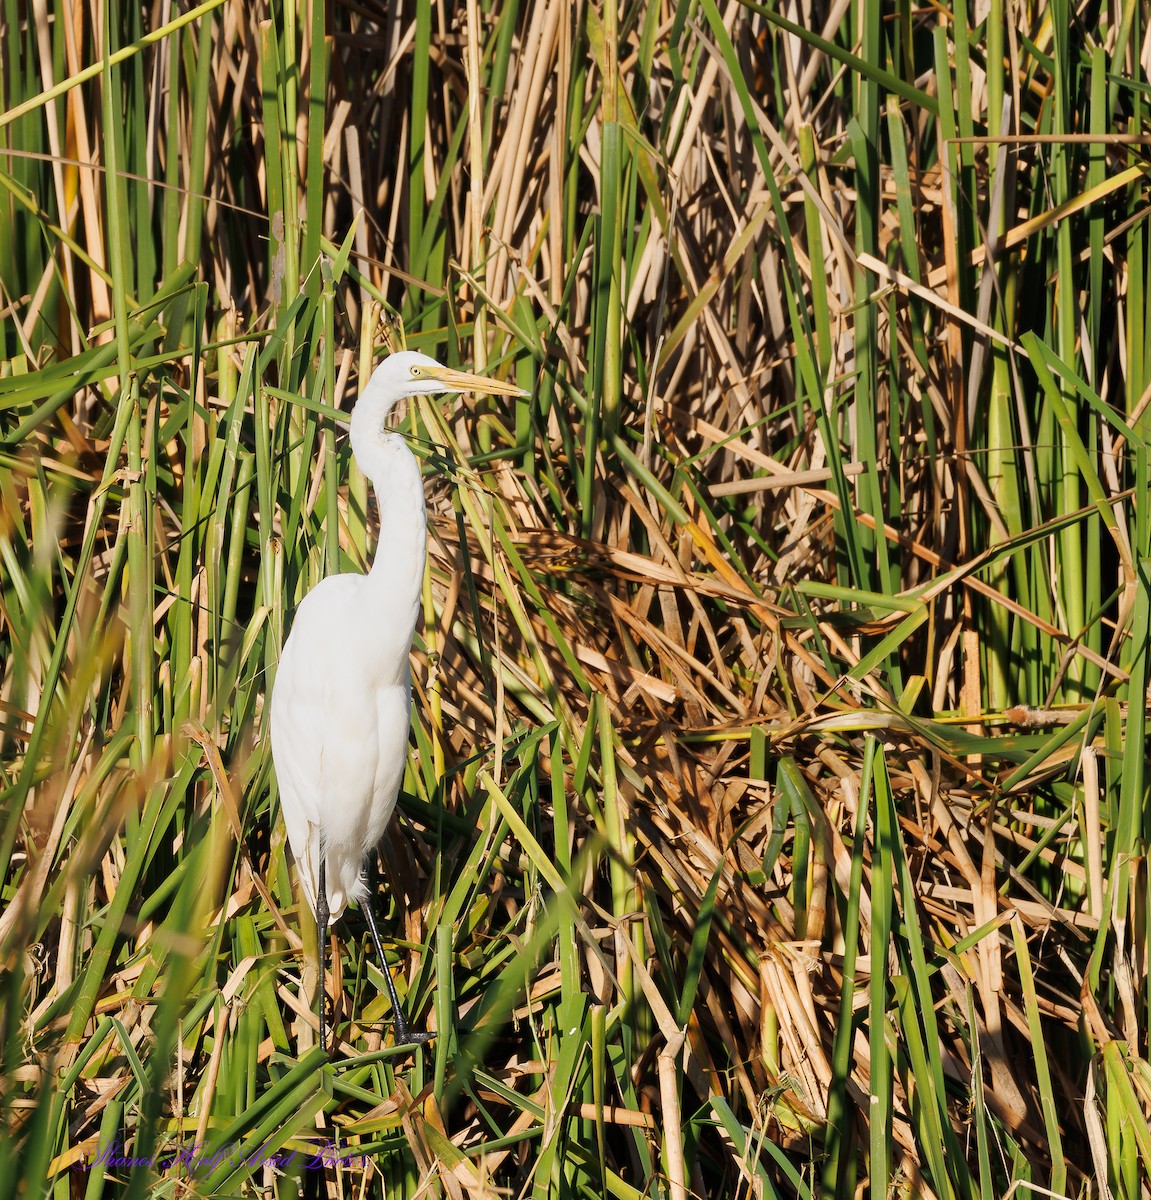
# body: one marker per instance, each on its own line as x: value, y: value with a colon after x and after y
x: 321, y: 945
x: 405, y: 1034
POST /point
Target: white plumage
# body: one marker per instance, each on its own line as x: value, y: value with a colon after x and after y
x: 341, y: 700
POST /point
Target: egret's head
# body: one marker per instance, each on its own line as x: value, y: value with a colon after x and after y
x: 409, y: 373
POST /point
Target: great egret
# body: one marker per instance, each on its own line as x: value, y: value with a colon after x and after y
x: 340, y: 704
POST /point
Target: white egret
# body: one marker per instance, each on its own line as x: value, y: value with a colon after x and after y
x: 341, y: 699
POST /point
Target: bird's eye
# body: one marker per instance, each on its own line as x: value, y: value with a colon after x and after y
x: 414, y: 372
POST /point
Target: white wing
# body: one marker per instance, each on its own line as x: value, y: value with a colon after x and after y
x: 339, y: 724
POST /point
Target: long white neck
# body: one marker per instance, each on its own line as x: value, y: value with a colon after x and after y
x: 398, y: 567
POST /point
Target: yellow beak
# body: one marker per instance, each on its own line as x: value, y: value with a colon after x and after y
x: 464, y: 381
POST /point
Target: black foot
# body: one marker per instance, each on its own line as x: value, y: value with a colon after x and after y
x: 407, y: 1036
